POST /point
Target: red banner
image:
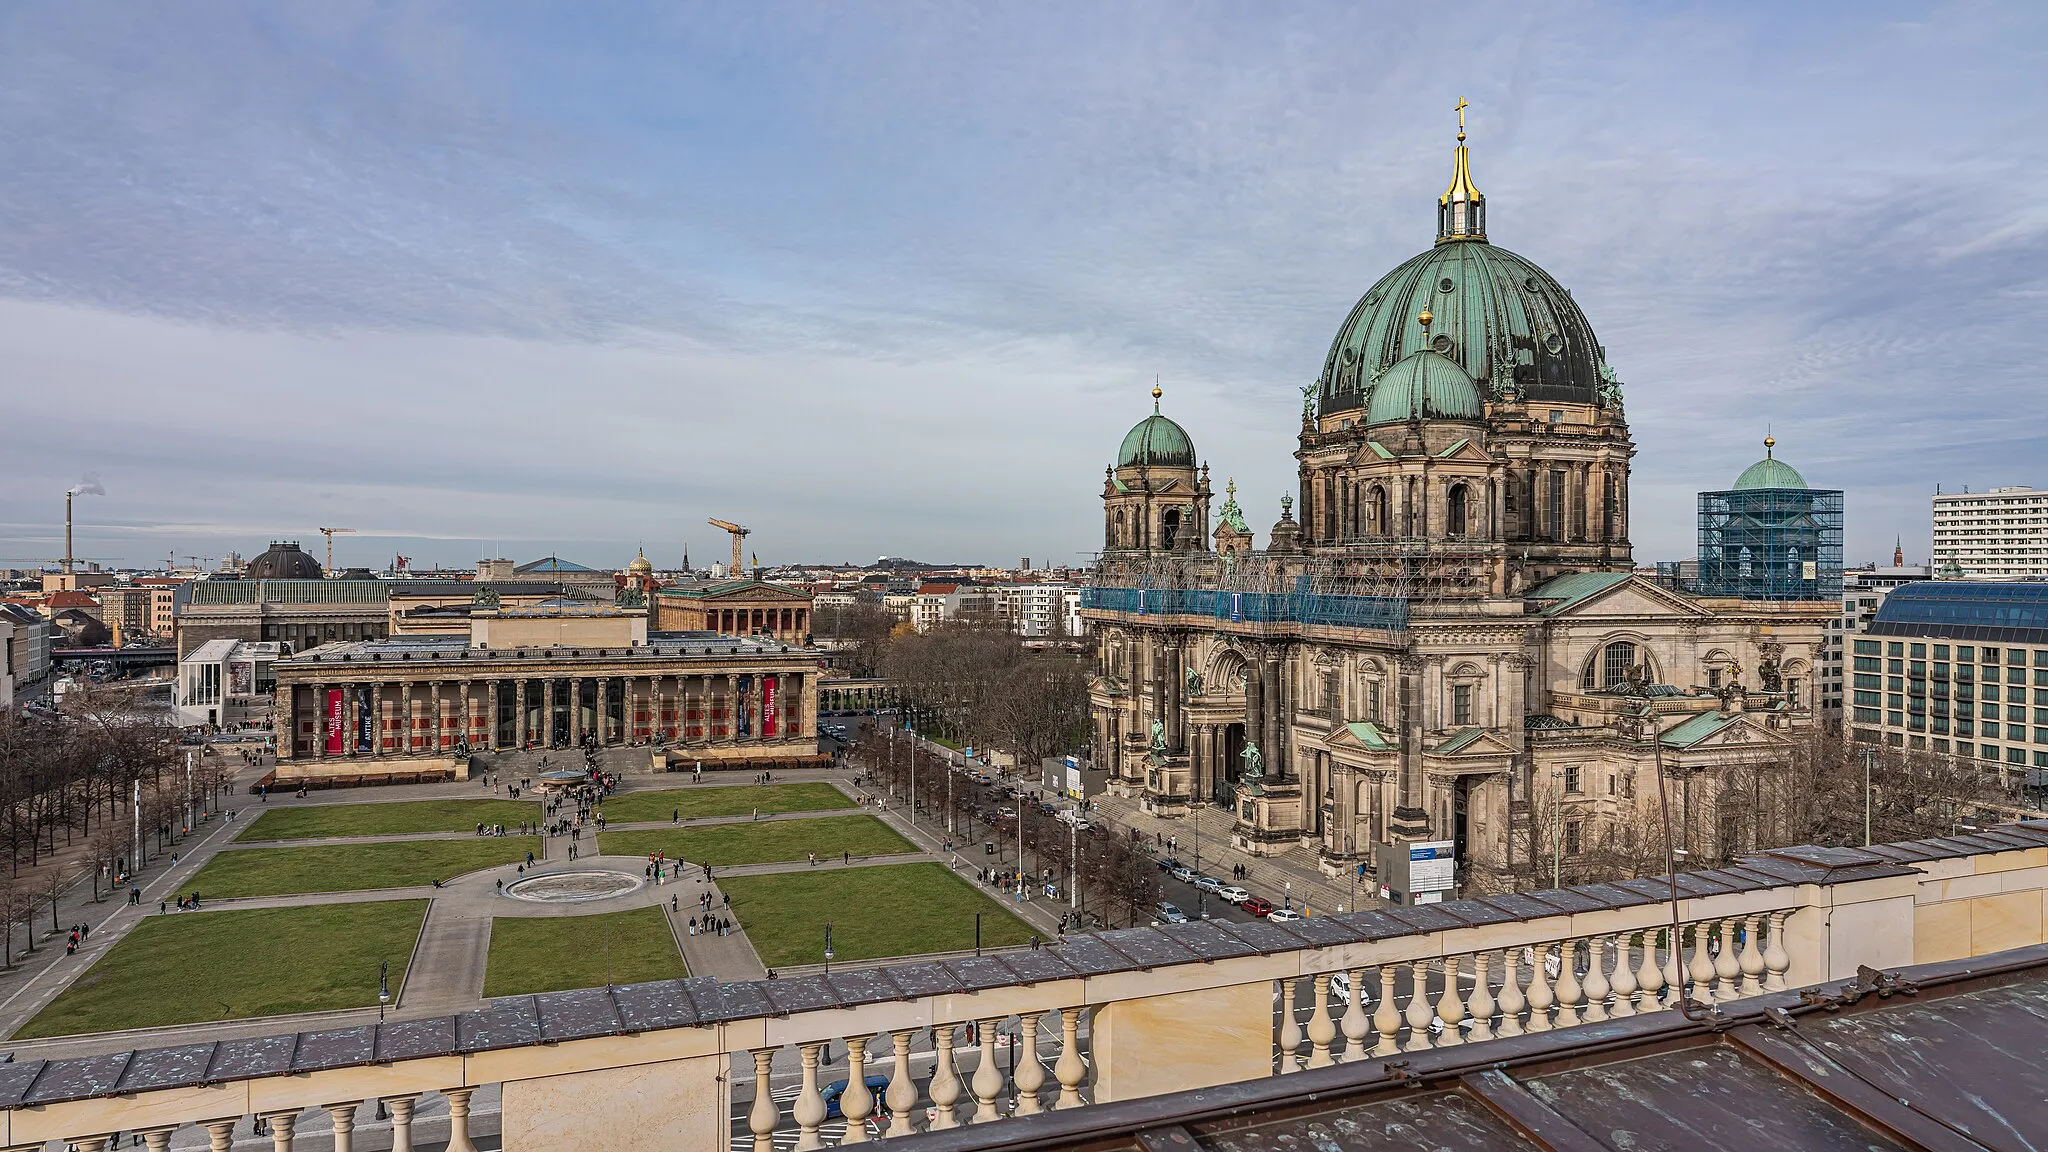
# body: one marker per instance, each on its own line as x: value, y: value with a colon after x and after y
x: 768, y: 706
x: 334, y: 721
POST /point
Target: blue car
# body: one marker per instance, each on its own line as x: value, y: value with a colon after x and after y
x: 831, y: 1092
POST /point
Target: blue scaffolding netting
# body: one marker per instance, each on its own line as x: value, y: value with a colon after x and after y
x: 1770, y: 544
x: 1301, y: 606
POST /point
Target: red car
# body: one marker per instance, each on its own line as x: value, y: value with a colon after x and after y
x: 1257, y: 906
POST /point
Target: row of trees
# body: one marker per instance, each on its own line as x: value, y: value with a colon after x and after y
x: 977, y: 684
x: 1118, y: 882
x: 1814, y: 794
x: 67, y: 799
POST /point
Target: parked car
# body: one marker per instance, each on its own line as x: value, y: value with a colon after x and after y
x: 876, y: 1084
x: 1232, y: 894
x: 1283, y: 915
x: 1169, y: 913
x: 1209, y: 884
x: 1257, y: 906
x: 1182, y: 873
x: 1167, y: 863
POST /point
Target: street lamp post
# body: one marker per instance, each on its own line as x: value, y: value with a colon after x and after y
x: 828, y: 947
x: 383, y: 988
x: 1074, y: 870
x: 1201, y: 896
x: 138, y: 827
x: 1869, y: 756
x: 1557, y: 830
x: 188, y: 792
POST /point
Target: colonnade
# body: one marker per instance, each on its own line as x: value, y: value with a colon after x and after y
x: 791, y: 624
x: 438, y: 716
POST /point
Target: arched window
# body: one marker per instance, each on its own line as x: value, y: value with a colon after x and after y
x: 1743, y: 567
x: 1458, y: 511
x: 1609, y: 667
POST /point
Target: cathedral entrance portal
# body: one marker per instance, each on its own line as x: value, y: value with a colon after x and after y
x: 1225, y: 779
x: 1461, y: 803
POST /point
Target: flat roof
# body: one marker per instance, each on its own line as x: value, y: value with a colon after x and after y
x: 659, y: 646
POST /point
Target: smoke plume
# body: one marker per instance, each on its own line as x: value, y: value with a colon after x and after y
x: 90, y: 486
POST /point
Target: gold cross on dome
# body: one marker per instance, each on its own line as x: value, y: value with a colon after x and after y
x: 1461, y: 117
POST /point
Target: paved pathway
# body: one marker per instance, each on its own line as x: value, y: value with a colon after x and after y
x: 1270, y: 876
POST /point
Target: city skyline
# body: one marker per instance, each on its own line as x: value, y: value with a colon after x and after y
x: 574, y: 283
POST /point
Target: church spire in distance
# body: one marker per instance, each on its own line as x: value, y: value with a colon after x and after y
x: 1461, y: 210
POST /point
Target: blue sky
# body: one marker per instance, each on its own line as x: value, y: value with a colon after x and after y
x: 895, y: 278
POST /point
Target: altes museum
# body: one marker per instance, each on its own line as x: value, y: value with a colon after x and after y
x: 1444, y: 639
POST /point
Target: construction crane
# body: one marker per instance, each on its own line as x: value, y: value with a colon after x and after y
x: 738, y: 534
x: 331, y: 533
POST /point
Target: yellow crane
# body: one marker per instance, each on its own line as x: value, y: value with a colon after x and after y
x: 738, y: 534
x: 331, y: 533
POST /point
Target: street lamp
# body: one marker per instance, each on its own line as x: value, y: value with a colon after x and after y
x: 828, y: 947
x: 383, y: 988
x: 1869, y: 760
x: 1557, y: 829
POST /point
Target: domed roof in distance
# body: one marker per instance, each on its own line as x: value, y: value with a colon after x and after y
x: 1156, y: 442
x: 641, y: 563
x: 1508, y: 322
x: 1424, y: 386
x: 1769, y: 472
x: 284, y: 561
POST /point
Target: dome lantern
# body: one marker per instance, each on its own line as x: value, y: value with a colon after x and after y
x: 1461, y: 210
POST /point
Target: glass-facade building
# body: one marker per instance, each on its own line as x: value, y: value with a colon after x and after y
x: 1956, y: 666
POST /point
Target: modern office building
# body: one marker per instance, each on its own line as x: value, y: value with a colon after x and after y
x: 1863, y: 591
x: 1956, y: 666
x: 2003, y: 532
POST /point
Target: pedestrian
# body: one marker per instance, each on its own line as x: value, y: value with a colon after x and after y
x: 846, y: 856
x: 673, y: 904
x: 676, y: 817
x: 693, y: 925
x: 162, y: 907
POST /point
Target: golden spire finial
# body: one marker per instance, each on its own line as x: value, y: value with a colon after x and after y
x: 1426, y: 319
x: 1461, y: 118
x: 1156, y: 394
x: 1770, y: 442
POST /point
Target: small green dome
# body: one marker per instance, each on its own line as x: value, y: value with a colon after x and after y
x: 1424, y: 386
x: 1156, y: 442
x: 1769, y: 472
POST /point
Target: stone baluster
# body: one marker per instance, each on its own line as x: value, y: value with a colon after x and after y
x: 1701, y: 970
x: 91, y: 1143
x: 809, y: 1108
x: 283, y: 1125
x: 901, y: 1096
x: 458, y: 1119
x: 1290, y: 1028
x: 988, y: 1076
x: 1674, y: 959
x: 1624, y: 980
x: 1030, y: 1076
x: 1070, y: 1069
x: 1777, y: 961
x: 345, y: 1124
x: 1751, y: 958
x: 1385, y: 1019
x: 401, y: 1121
x: 1570, y: 995
x: 1726, y: 966
x: 1418, y: 1013
x: 1511, y: 1001
x: 857, y: 1103
x: 1355, y: 1024
x: 1480, y: 1007
x: 1321, y: 1028
x: 1650, y: 976
x: 220, y: 1134
x: 1540, y: 998
x: 1450, y: 1007
x: 154, y: 1139
x: 945, y: 1085
x: 763, y: 1116
x: 1597, y: 986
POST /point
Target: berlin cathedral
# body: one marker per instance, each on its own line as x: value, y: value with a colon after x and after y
x: 1445, y: 637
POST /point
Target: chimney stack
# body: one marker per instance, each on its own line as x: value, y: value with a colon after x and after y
x: 67, y: 531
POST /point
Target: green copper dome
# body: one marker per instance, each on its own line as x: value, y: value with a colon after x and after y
x: 1156, y: 442
x: 1769, y: 472
x: 1424, y: 386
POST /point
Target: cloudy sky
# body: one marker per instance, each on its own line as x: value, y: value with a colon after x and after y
x: 895, y: 277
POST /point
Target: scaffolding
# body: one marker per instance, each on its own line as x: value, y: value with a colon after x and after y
x: 1770, y: 544
x: 1372, y: 587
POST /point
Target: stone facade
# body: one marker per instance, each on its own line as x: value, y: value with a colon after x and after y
x: 734, y: 608
x: 1450, y: 643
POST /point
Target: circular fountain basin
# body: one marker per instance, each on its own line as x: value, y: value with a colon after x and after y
x: 577, y: 887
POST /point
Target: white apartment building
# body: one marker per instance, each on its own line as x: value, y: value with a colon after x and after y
x: 1863, y: 591
x: 1040, y: 609
x: 2003, y: 532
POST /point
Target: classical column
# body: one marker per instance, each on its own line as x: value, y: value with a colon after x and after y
x: 604, y: 684
x: 732, y: 710
x: 405, y: 717
x: 320, y: 725
x: 759, y: 698
x: 576, y: 728
x: 436, y: 728
x: 284, y: 719
x: 518, y: 712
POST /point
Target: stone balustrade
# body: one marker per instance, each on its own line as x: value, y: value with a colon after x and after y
x: 1100, y: 1017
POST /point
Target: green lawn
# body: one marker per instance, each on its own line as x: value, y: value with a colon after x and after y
x: 352, y: 867
x: 550, y: 953
x: 736, y: 800
x: 320, y: 821
x: 762, y: 843
x: 196, y: 966
x: 891, y: 910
